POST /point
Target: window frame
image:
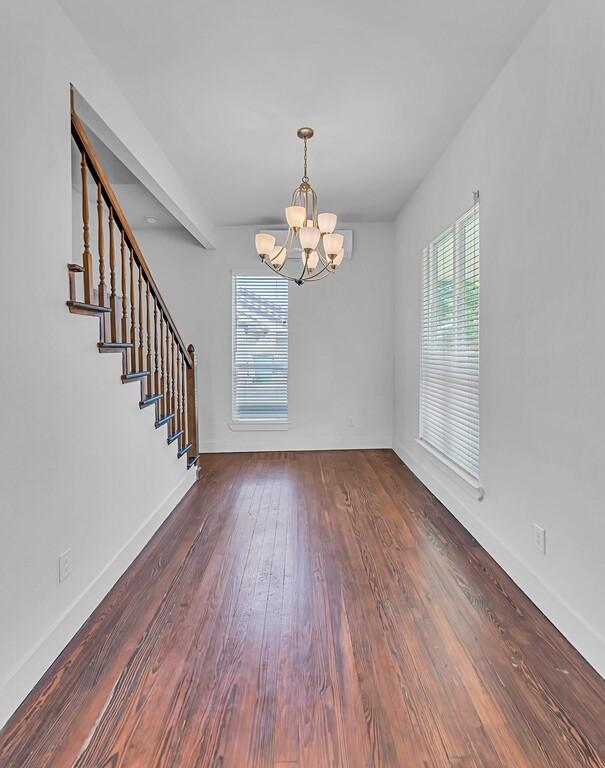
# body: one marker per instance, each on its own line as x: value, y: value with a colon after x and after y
x: 238, y: 424
x: 428, y: 262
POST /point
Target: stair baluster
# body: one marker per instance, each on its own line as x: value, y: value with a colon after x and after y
x: 162, y: 389
x: 192, y: 441
x: 168, y: 374
x: 113, y: 318
x: 133, y: 315
x: 140, y: 306
x: 156, y: 373
x: 86, y: 255
x: 173, y: 381
x: 149, y: 382
x: 124, y: 297
x: 101, y: 248
x: 183, y: 439
x: 178, y: 427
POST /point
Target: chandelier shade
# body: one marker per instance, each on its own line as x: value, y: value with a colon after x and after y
x: 295, y: 216
x: 278, y: 256
x: 333, y: 243
x: 264, y: 243
x: 312, y: 260
x: 310, y: 235
x: 327, y: 223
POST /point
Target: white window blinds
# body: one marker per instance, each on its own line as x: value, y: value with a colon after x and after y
x: 260, y: 348
x: 449, y: 371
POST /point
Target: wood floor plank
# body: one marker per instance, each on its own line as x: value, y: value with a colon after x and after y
x: 425, y: 662
x: 312, y: 610
x: 396, y: 712
x: 510, y: 649
x: 232, y: 658
x: 285, y: 734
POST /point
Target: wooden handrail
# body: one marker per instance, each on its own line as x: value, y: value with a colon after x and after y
x: 83, y: 142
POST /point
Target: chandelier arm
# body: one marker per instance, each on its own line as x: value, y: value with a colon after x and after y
x: 272, y: 260
x: 304, y: 266
x: 321, y: 271
x: 324, y: 257
x: 286, y: 246
x: 313, y: 204
x: 320, y: 275
x: 281, y: 274
x: 325, y: 271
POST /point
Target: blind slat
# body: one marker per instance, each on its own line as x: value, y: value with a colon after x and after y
x: 449, y: 378
x: 260, y: 348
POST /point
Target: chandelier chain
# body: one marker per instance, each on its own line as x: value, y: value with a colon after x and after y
x: 305, y: 178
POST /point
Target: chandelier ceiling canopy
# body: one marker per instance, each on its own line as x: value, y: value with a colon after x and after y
x: 310, y: 235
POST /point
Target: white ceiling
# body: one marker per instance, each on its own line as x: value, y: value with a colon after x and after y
x: 224, y: 85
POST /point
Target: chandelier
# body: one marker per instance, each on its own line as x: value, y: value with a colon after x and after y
x: 311, y: 235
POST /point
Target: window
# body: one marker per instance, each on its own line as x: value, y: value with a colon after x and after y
x: 260, y: 348
x: 449, y: 369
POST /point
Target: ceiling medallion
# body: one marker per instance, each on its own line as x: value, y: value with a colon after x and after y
x: 309, y: 234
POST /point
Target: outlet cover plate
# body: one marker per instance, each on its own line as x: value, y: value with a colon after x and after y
x: 540, y: 538
x: 65, y: 565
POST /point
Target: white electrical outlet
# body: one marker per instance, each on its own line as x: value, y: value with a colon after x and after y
x: 65, y: 565
x: 540, y: 538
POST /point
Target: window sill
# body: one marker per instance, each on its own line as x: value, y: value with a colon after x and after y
x: 259, y: 426
x: 471, y: 482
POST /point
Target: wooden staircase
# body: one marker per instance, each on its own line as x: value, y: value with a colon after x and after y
x: 117, y: 287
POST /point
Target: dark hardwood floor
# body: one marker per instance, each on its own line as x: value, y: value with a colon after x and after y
x: 312, y: 609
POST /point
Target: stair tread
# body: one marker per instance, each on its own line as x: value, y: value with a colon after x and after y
x: 149, y: 400
x: 164, y: 419
x: 182, y: 451
x: 171, y: 438
x: 80, y: 305
x: 113, y: 346
x: 193, y: 461
x: 135, y: 375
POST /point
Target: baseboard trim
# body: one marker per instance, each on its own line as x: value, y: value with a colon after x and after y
x: 584, y: 638
x: 26, y: 673
x: 285, y: 441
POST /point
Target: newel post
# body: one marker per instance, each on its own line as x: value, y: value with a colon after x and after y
x: 192, y: 405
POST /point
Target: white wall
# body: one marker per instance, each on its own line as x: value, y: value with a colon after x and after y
x: 535, y: 147
x: 80, y: 466
x: 340, y: 341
